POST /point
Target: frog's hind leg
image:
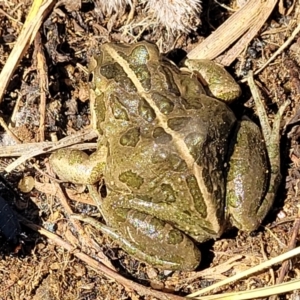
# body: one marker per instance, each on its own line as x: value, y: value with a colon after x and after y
x: 272, y: 140
x: 247, y: 176
x: 146, y: 237
x: 143, y: 236
x: 254, y: 174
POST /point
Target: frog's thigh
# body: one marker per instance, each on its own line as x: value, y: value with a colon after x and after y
x: 150, y: 239
x: 247, y: 176
x: 78, y: 167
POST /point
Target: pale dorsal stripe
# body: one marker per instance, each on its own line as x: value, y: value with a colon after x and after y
x: 162, y: 120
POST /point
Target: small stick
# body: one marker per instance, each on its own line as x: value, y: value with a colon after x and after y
x: 42, y: 71
x: 239, y: 23
x: 32, y: 24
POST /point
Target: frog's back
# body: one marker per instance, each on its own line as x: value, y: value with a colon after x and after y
x: 167, y: 144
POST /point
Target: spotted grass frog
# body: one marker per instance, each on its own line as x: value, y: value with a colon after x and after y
x: 177, y: 165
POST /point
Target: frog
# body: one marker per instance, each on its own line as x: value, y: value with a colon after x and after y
x: 179, y: 167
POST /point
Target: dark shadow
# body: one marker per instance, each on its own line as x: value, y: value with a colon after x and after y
x: 15, y: 239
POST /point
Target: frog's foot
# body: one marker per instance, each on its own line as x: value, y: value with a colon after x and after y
x: 272, y: 140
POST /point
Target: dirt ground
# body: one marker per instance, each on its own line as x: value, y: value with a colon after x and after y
x: 62, y: 261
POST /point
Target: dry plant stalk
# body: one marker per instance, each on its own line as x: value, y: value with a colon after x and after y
x: 32, y: 24
x: 248, y: 20
x: 146, y: 291
x: 34, y: 149
x: 42, y: 71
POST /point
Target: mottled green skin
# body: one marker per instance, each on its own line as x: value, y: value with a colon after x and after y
x: 166, y: 152
x: 220, y: 85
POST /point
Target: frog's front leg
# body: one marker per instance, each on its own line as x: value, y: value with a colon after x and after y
x: 146, y: 237
x: 76, y: 166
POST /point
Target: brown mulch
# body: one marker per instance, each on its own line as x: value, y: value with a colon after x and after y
x: 46, y: 99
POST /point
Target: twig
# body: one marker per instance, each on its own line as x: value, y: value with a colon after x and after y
x: 42, y: 71
x: 98, y: 266
x: 260, y: 19
x: 10, y: 17
x: 250, y: 271
x: 8, y: 131
x: 292, y: 244
x: 284, y: 46
x: 232, y: 29
x: 81, y: 233
x: 33, y: 22
x: 45, y: 147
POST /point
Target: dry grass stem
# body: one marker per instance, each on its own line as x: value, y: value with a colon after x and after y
x: 257, y: 293
x: 281, y: 49
x: 253, y: 12
x: 8, y: 131
x: 34, y: 149
x: 38, y: 12
x: 98, y: 266
x: 242, y: 43
x: 285, y: 266
x: 249, y: 272
x: 42, y: 71
x: 83, y: 237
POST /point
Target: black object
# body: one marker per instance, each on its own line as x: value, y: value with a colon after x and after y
x: 10, y: 228
x: 9, y: 224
